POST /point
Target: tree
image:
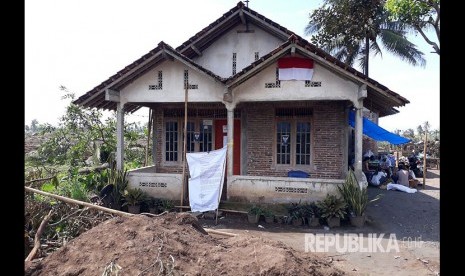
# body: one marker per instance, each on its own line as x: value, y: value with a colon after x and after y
x: 349, y: 29
x: 34, y: 125
x: 420, y: 15
x: 71, y: 141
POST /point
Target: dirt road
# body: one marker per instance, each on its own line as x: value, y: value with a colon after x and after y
x: 411, y: 219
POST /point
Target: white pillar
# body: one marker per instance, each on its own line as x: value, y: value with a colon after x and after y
x: 362, y: 93
x: 119, y: 136
x: 230, y: 157
x: 358, y: 139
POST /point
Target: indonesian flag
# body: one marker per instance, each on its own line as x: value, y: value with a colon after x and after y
x: 295, y: 68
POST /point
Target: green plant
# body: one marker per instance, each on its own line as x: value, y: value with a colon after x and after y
x: 134, y: 196
x: 355, y: 197
x: 307, y: 211
x: 154, y: 202
x: 295, y: 210
x: 167, y: 204
x: 267, y: 213
x: 255, y: 210
x: 332, y: 206
x: 118, y: 179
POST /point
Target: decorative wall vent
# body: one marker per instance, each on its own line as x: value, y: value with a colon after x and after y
x: 277, y: 84
x: 160, y: 82
x: 256, y: 55
x: 312, y: 83
x: 292, y: 190
x: 153, y: 184
x: 234, y: 63
x: 186, y: 81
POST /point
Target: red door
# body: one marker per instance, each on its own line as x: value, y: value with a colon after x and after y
x: 221, y: 132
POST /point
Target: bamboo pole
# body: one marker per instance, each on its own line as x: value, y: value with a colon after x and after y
x: 148, y: 138
x: 424, y: 158
x: 219, y: 232
x: 78, y: 202
x: 184, y: 145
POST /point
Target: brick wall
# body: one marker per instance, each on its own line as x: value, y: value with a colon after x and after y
x: 328, y: 128
x: 158, y: 123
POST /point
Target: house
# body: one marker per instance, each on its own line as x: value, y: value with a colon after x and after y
x: 236, y: 97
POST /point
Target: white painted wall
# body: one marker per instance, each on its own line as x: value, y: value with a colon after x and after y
x: 218, y: 56
x: 152, y: 183
x: 263, y: 189
x: 208, y: 90
x: 333, y: 87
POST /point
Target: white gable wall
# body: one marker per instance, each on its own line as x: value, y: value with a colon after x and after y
x: 218, y: 56
x: 333, y: 87
x: 208, y: 90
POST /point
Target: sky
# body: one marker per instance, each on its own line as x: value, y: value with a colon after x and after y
x: 80, y: 43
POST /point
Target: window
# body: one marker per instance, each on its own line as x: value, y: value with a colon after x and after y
x: 171, y: 141
x: 293, y: 136
x: 174, y: 133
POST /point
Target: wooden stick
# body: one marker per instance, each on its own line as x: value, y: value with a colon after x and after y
x: 78, y: 202
x: 37, y: 180
x: 184, y: 145
x: 220, y: 232
x: 41, y: 229
x: 148, y: 138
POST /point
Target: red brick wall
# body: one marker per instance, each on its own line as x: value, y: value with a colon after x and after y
x: 328, y: 128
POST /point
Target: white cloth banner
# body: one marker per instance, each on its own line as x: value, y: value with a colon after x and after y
x: 206, y: 179
x: 295, y: 74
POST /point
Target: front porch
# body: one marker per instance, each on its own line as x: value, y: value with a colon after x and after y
x: 240, y: 188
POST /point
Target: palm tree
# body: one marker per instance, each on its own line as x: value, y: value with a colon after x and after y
x: 349, y: 29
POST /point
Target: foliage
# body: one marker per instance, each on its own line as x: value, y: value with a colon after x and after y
x: 421, y: 15
x: 355, y: 197
x: 295, y: 210
x: 154, y: 202
x: 307, y: 211
x: 80, y: 132
x: 255, y: 210
x: 332, y: 206
x: 345, y: 27
x: 134, y: 196
x: 267, y: 212
x: 167, y: 204
x: 118, y: 179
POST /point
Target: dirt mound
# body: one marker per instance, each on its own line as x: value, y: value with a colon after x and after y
x: 143, y: 245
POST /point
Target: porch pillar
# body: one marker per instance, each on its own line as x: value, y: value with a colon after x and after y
x: 119, y: 136
x: 229, y: 156
x: 362, y: 93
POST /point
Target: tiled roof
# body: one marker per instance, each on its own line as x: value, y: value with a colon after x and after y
x: 204, y: 38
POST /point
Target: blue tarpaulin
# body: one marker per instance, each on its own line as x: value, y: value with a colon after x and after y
x: 376, y: 132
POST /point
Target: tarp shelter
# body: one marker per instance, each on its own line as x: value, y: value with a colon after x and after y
x: 376, y: 132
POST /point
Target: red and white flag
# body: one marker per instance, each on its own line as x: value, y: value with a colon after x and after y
x: 295, y: 68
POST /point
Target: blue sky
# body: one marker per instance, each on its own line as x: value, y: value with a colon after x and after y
x: 80, y: 43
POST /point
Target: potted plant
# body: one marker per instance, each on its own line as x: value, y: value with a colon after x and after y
x: 332, y: 209
x: 356, y: 199
x: 295, y: 213
x: 133, y: 198
x: 307, y: 213
x: 269, y: 216
x: 154, y: 205
x: 316, y: 215
x: 254, y: 213
x: 167, y: 205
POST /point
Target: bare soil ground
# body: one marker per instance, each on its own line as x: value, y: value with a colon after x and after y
x: 142, y: 245
x: 412, y: 218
